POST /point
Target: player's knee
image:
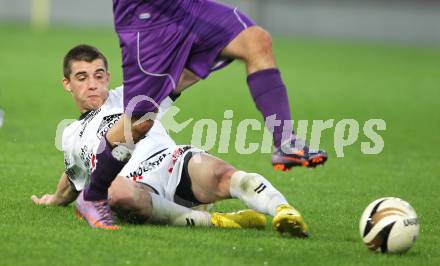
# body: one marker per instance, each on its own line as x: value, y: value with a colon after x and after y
x: 223, y: 172
x: 260, y: 43
x: 121, y: 201
x: 264, y: 41
x: 122, y: 195
x: 130, y: 201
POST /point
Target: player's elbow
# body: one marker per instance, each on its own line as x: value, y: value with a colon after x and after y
x: 140, y: 128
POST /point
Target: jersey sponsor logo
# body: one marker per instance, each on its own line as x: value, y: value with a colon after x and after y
x: 86, y: 157
x: 67, y: 160
x: 106, y: 124
x: 89, y: 117
x: 176, y: 154
x: 68, y: 166
x: 94, y: 161
x: 70, y: 172
x: 149, y: 164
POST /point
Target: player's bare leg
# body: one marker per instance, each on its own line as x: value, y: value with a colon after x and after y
x: 254, y: 47
x: 136, y: 202
x: 130, y: 200
x: 213, y: 179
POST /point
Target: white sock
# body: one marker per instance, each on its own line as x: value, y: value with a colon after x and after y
x: 256, y: 192
x: 168, y: 212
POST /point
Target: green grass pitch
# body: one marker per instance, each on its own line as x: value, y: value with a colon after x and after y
x: 325, y: 80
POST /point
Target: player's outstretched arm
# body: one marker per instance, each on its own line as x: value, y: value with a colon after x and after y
x: 64, y: 195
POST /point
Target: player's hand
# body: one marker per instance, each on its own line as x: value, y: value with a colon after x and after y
x: 47, y: 200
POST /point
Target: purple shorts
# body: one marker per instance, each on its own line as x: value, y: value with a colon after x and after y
x: 158, y: 44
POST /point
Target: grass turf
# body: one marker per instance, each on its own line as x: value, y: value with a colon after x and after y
x: 326, y: 80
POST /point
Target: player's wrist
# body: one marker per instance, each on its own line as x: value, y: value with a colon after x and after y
x: 56, y: 200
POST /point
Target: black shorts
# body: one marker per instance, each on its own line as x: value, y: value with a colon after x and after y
x: 184, y: 194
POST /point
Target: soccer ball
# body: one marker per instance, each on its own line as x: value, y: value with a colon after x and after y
x: 389, y: 225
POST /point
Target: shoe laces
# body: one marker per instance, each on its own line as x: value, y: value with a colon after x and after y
x: 105, y: 214
x: 295, y: 145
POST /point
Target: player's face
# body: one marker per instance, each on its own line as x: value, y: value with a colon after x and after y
x: 88, y: 83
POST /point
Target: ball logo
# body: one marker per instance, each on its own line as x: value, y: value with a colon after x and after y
x: 412, y: 221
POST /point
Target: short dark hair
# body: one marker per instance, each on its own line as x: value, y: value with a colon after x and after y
x: 82, y: 52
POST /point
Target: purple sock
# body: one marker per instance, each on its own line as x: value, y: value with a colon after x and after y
x: 270, y: 97
x: 107, y: 168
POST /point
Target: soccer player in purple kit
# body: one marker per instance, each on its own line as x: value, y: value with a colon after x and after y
x: 168, y: 46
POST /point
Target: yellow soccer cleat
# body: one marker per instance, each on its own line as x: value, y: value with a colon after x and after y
x: 240, y: 219
x: 289, y: 220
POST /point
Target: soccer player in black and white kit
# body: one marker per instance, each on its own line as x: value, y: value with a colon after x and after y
x: 169, y: 178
